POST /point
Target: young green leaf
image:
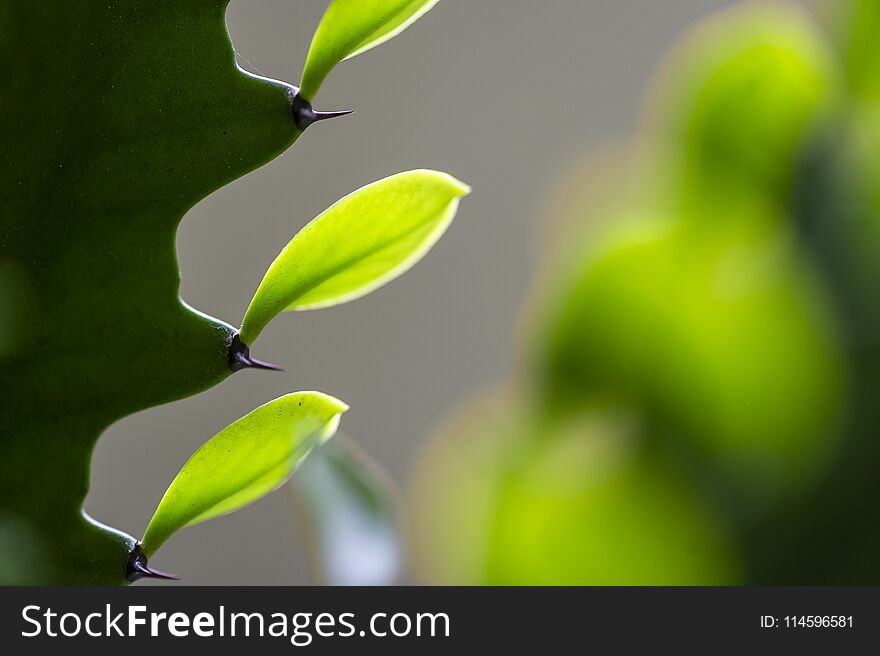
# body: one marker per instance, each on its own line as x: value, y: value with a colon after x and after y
x: 350, y: 27
x: 362, y: 242
x: 245, y: 461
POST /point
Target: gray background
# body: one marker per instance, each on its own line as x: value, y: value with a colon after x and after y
x: 505, y: 94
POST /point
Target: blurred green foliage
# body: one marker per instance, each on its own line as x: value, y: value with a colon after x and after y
x: 857, y: 25
x: 721, y: 337
x: 349, y: 512
x: 699, y: 400
x: 733, y: 107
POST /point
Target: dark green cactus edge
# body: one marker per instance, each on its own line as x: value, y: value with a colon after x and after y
x: 117, y: 117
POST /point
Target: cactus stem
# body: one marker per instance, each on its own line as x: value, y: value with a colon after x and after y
x: 240, y: 358
x: 138, y: 568
x: 304, y: 115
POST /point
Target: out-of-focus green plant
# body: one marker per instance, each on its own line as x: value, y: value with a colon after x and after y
x: 117, y: 118
x: 723, y: 338
x: 732, y: 108
x: 856, y: 24
x: 350, y: 509
x: 724, y: 316
x: 580, y: 505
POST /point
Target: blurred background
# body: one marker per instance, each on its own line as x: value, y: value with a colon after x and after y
x: 639, y: 355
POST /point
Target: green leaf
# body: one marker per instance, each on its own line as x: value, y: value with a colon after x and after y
x: 350, y: 27
x: 362, y: 242
x: 245, y: 461
x: 350, y: 507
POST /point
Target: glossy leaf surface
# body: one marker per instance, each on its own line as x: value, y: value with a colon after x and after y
x: 362, y: 242
x: 245, y: 461
x: 351, y: 27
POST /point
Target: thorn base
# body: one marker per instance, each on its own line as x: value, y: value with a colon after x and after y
x: 138, y: 568
x: 304, y: 115
x: 240, y: 358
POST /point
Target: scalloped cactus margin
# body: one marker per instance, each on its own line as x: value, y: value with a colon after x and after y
x: 117, y: 118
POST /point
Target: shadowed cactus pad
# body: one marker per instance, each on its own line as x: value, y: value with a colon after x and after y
x: 117, y: 118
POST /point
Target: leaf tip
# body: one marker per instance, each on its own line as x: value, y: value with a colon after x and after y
x: 334, y: 405
x: 463, y: 189
x: 328, y: 407
x: 458, y: 187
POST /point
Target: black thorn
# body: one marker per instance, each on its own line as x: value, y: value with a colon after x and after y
x: 138, y: 568
x: 241, y: 361
x: 240, y: 358
x: 304, y: 115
